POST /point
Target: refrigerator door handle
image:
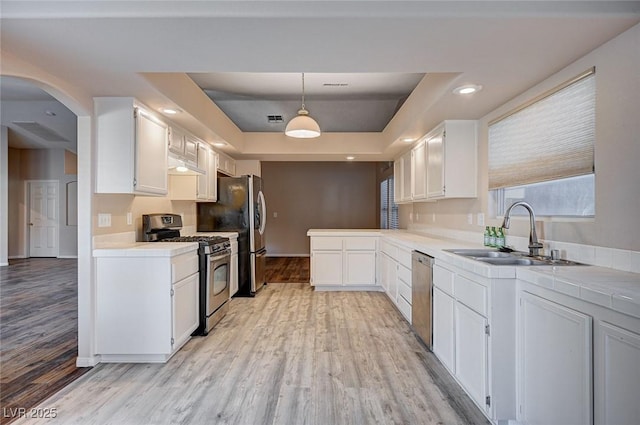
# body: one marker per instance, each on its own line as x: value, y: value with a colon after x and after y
x: 262, y: 212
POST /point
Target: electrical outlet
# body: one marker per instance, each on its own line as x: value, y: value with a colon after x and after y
x: 129, y: 218
x: 480, y: 219
x: 433, y: 217
x: 104, y: 220
x: 275, y: 214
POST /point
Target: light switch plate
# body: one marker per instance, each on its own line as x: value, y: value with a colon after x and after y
x: 129, y: 218
x: 469, y: 218
x: 104, y: 220
x: 480, y: 219
x: 275, y: 214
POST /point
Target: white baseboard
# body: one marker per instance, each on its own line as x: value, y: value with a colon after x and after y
x: 4, y: 264
x: 68, y: 256
x: 87, y: 361
x: 288, y: 255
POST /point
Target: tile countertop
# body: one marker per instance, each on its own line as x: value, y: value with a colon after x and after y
x: 607, y: 287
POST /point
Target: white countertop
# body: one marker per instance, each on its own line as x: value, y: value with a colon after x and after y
x: 145, y: 249
x: 615, y: 289
x: 152, y: 249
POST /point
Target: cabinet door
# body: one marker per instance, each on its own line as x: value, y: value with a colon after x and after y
x: 406, y: 177
x: 151, y: 155
x: 185, y: 307
x: 392, y: 279
x: 419, y: 171
x: 360, y: 268
x: 202, y: 179
x: 190, y: 149
x: 443, y: 329
x: 471, y: 352
x: 176, y: 141
x: 326, y: 267
x: 212, y: 177
x: 397, y: 181
x: 554, y: 363
x: 617, y: 375
x: 435, y: 164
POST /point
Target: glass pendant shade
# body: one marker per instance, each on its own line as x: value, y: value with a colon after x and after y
x: 302, y: 126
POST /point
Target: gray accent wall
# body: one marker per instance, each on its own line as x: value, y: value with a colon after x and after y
x: 320, y: 195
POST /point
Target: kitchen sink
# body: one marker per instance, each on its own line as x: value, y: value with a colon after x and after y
x: 514, y: 258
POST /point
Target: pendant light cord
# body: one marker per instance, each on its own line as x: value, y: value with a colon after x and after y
x: 303, y: 90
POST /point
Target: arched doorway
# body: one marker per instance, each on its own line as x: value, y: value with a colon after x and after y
x: 75, y: 216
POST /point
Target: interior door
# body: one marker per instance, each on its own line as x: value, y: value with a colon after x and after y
x: 43, y: 218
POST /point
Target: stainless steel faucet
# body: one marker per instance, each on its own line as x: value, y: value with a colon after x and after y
x: 534, y: 245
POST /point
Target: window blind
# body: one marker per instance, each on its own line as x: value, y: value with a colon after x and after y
x: 550, y: 138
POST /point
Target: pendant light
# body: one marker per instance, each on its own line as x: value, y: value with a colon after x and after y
x: 302, y: 126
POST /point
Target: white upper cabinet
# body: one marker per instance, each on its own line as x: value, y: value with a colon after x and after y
x: 419, y: 171
x: 443, y: 164
x: 402, y: 179
x: 176, y: 140
x: 132, y: 146
x: 190, y: 151
x: 452, y: 160
x: 226, y: 165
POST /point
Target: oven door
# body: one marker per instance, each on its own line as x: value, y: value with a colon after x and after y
x: 217, y: 281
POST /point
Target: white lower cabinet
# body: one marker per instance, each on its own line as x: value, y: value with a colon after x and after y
x: 617, y: 375
x: 326, y: 267
x: 443, y: 325
x: 343, y: 261
x: 474, y: 336
x: 471, y: 352
x: 184, y: 307
x: 555, y: 367
x: 146, y: 307
x: 233, y: 275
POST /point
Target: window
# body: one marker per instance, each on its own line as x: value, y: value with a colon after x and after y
x: 543, y: 152
x: 388, y: 208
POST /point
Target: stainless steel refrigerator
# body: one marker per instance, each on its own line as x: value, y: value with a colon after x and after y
x: 240, y: 208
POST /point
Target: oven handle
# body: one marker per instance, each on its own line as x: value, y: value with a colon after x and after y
x: 219, y: 255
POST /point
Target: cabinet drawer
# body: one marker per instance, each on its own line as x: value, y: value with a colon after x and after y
x: 404, y: 291
x: 183, y: 266
x: 404, y: 274
x: 443, y: 279
x: 326, y: 243
x: 388, y: 249
x: 405, y: 308
x: 404, y: 257
x: 360, y: 243
x: 471, y: 294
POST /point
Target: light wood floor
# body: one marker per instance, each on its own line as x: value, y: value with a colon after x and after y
x: 288, y: 356
x: 38, y: 330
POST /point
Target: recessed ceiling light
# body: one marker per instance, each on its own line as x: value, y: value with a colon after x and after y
x: 351, y: 158
x: 219, y: 144
x: 170, y: 111
x: 408, y: 139
x: 467, y: 89
x: 182, y: 169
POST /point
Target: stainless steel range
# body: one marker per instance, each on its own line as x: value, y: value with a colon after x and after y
x: 214, y: 255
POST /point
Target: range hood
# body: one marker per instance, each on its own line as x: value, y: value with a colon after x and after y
x: 179, y: 167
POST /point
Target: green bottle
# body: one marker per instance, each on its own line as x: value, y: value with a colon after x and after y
x: 492, y: 236
x: 487, y: 235
x: 500, y: 238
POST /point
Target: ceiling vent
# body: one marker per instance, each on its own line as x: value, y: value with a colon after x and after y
x: 274, y: 119
x: 39, y: 130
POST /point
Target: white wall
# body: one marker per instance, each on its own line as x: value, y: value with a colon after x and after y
x: 617, y: 152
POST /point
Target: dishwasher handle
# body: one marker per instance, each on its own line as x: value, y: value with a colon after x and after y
x: 422, y: 258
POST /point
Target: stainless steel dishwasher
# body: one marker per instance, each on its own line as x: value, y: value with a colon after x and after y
x: 421, y: 290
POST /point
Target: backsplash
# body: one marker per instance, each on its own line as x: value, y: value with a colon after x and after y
x: 618, y: 259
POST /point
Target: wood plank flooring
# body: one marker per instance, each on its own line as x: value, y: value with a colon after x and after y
x: 288, y: 356
x: 38, y: 331
x: 288, y: 269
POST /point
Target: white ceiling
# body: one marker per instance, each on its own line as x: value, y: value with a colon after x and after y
x: 104, y: 47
